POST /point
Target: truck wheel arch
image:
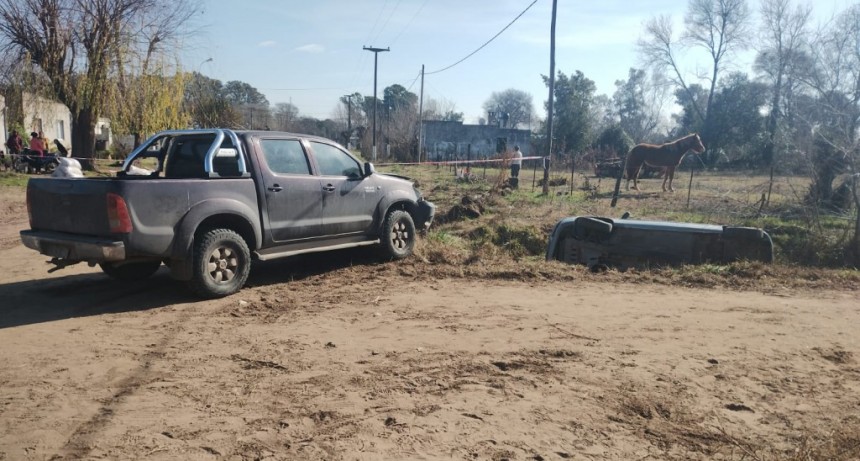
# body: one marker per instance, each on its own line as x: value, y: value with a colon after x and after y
x: 227, y: 214
x: 397, y: 200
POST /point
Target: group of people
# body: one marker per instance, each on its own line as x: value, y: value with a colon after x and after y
x: 38, y: 143
x: 37, y: 147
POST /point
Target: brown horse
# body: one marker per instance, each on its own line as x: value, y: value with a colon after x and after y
x: 666, y: 156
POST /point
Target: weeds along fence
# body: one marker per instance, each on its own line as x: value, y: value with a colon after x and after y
x: 804, y: 231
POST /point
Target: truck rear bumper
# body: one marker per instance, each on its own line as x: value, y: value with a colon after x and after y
x: 74, y: 247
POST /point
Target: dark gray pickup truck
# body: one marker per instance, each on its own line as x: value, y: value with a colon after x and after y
x: 217, y: 199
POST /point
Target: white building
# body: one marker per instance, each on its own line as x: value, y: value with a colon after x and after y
x: 50, y: 117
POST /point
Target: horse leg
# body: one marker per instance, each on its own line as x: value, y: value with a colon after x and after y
x: 670, y: 173
x: 634, y: 173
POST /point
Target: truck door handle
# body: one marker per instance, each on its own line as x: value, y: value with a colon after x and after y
x: 328, y: 188
x: 276, y: 188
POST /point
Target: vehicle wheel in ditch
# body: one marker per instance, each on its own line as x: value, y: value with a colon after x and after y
x: 591, y: 228
x: 398, y: 235
x: 130, y: 272
x: 221, y: 263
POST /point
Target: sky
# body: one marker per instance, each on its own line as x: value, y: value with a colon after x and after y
x: 310, y: 53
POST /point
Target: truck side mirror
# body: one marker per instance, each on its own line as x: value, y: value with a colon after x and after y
x: 368, y: 169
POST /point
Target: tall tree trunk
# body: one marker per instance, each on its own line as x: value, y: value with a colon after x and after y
x: 772, y: 123
x: 84, y: 138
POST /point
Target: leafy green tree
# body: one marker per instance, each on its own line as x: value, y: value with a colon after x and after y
x: 206, y: 104
x: 398, y: 98
x: 239, y: 93
x: 572, y: 111
x: 738, y: 125
x: 613, y: 142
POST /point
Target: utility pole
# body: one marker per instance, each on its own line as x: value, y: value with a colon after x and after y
x: 421, y: 117
x: 551, y: 98
x: 348, y: 118
x: 376, y: 52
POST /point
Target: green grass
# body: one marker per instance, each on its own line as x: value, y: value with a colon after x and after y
x: 13, y: 179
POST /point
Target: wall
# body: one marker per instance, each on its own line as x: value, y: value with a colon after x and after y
x: 454, y: 140
x: 52, y: 118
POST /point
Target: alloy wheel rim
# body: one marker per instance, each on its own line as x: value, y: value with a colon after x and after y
x: 223, y: 264
x: 400, y: 235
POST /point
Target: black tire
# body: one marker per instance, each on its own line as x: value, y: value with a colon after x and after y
x: 398, y: 235
x: 20, y: 166
x: 221, y: 263
x: 130, y: 272
x: 591, y: 228
x: 51, y: 166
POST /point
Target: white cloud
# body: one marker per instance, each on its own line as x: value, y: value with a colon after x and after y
x: 311, y: 48
x: 267, y: 43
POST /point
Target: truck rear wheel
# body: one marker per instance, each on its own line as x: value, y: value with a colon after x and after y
x: 398, y: 235
x: 130, y: 272
x: 221, y: 263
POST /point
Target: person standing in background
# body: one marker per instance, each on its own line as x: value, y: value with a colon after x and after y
x: 516, y: 162
x: 45, y: 144
x: 36, y: 144
x: 15, y: 144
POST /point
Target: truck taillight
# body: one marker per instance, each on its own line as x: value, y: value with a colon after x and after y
x: 118, y: 217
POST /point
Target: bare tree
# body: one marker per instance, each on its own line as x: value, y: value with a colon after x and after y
x: 783, y: 36
x: 517, y: 104
x: 284, y: 116
x: 719, y: 27
x: 658, y: 49
x: 638, y: 103
x: 835, y: 82
x: 77, y: 43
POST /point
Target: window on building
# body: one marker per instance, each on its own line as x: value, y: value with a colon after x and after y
x: 61, y: 130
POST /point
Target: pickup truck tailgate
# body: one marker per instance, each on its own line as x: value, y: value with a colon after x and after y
x: 69, y: 205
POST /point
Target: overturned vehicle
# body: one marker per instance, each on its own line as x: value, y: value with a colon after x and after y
x: 599, y: 243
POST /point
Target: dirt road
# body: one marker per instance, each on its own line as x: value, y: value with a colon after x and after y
x: 369, y: 361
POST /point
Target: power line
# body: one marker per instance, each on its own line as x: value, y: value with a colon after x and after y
x: 485, y: 44
x: 414, y: 80
x: 408, y: 23
x: 381, y: 29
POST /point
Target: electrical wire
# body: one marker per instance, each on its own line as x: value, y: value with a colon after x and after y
x: 486, y: 43
x: 381, y: 29
x: 413, y: 81
x: 393, y: 41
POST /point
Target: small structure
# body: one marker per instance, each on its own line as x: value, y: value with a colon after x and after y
x: 444, y: 140
x: 50, y: 117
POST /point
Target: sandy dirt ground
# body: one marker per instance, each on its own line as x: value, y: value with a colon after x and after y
x: 373, y: 361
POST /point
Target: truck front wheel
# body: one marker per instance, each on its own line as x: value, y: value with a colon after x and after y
x: 130, y: 272
x: 221, y: 263
x: 398, y: 235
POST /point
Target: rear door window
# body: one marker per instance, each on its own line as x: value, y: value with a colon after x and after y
x: 285, y: 156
